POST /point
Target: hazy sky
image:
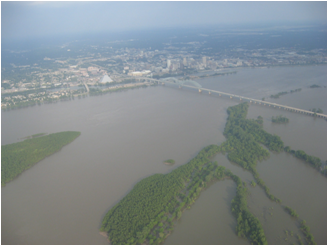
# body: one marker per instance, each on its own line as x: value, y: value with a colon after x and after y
x: 28, y: 19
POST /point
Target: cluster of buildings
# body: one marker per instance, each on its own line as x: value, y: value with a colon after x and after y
x: 114, y: 66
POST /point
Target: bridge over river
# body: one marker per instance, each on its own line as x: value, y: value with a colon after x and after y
x: 196, y: 86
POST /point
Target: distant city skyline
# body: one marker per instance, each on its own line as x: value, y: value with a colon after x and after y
x: 24, y: 20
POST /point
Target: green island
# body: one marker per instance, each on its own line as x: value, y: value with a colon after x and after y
x: 279, y: 94
x: 314, y: 161
x: 275, y: 96
x: 169, y: 162
x: 279, y: 119
x: 147, y: 214
x: 18, y: 157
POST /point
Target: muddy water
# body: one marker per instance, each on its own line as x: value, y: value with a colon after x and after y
x: 293, y: 181
x: 126, y: 136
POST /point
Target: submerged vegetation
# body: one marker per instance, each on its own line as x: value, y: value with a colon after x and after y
x: 248, y: 226
x: 315, y: 162
x: 284, y: 93
x: 279, y: 94
x: 291, y: 211
x: 147, y: 214
x: 306, y: 232
x: 279, y: 119
x: 17, y: 157
x: 244, y: 137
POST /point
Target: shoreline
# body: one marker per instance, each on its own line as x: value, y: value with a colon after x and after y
x: 104, y: 234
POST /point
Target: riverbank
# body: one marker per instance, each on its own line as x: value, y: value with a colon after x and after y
x: 73, y: 96
x: 104, y: 234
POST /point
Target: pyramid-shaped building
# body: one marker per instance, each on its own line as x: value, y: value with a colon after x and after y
x: 105, y: 79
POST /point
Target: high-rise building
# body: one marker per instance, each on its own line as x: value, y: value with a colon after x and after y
x: 204, y: 60
x: 184, y: 61
x: 168, y: 63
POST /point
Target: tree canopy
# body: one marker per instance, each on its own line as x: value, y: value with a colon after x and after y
x: 17, y: 157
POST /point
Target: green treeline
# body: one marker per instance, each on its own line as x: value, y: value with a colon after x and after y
x: 279, y: 119
x: 147, y: 213
x: 279, y: 94
x: 291, y: 211
x: 17, y: 157
x: 284, y: 93
x: 303, y: 227
x: 296, y: 90
x: 306, y: 231
x: 243, y: 142
x: 216, y: 74
x: 315, y: 162
x: 153, y: 200
x: 248, y: 225
x: 98, y: 91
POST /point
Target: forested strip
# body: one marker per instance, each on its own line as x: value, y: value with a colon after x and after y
x: 243, y: 138
x: 17, y: 157
x: 306, y: 232
x: 243, y: 142
x: 315, y: 162
x: 153, y: 199
x: 248, y: 226
x: 147, y: 213
x: 291, y: 211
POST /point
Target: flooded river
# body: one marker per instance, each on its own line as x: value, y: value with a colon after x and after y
x: 126, y: 136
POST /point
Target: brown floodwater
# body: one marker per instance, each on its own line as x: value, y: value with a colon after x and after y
x: 126, y: 136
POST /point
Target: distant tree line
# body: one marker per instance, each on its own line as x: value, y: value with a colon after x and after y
x: 284, y: 93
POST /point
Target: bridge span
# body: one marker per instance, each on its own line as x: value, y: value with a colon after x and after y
x: 182, y: 83
x: 250, y: 100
